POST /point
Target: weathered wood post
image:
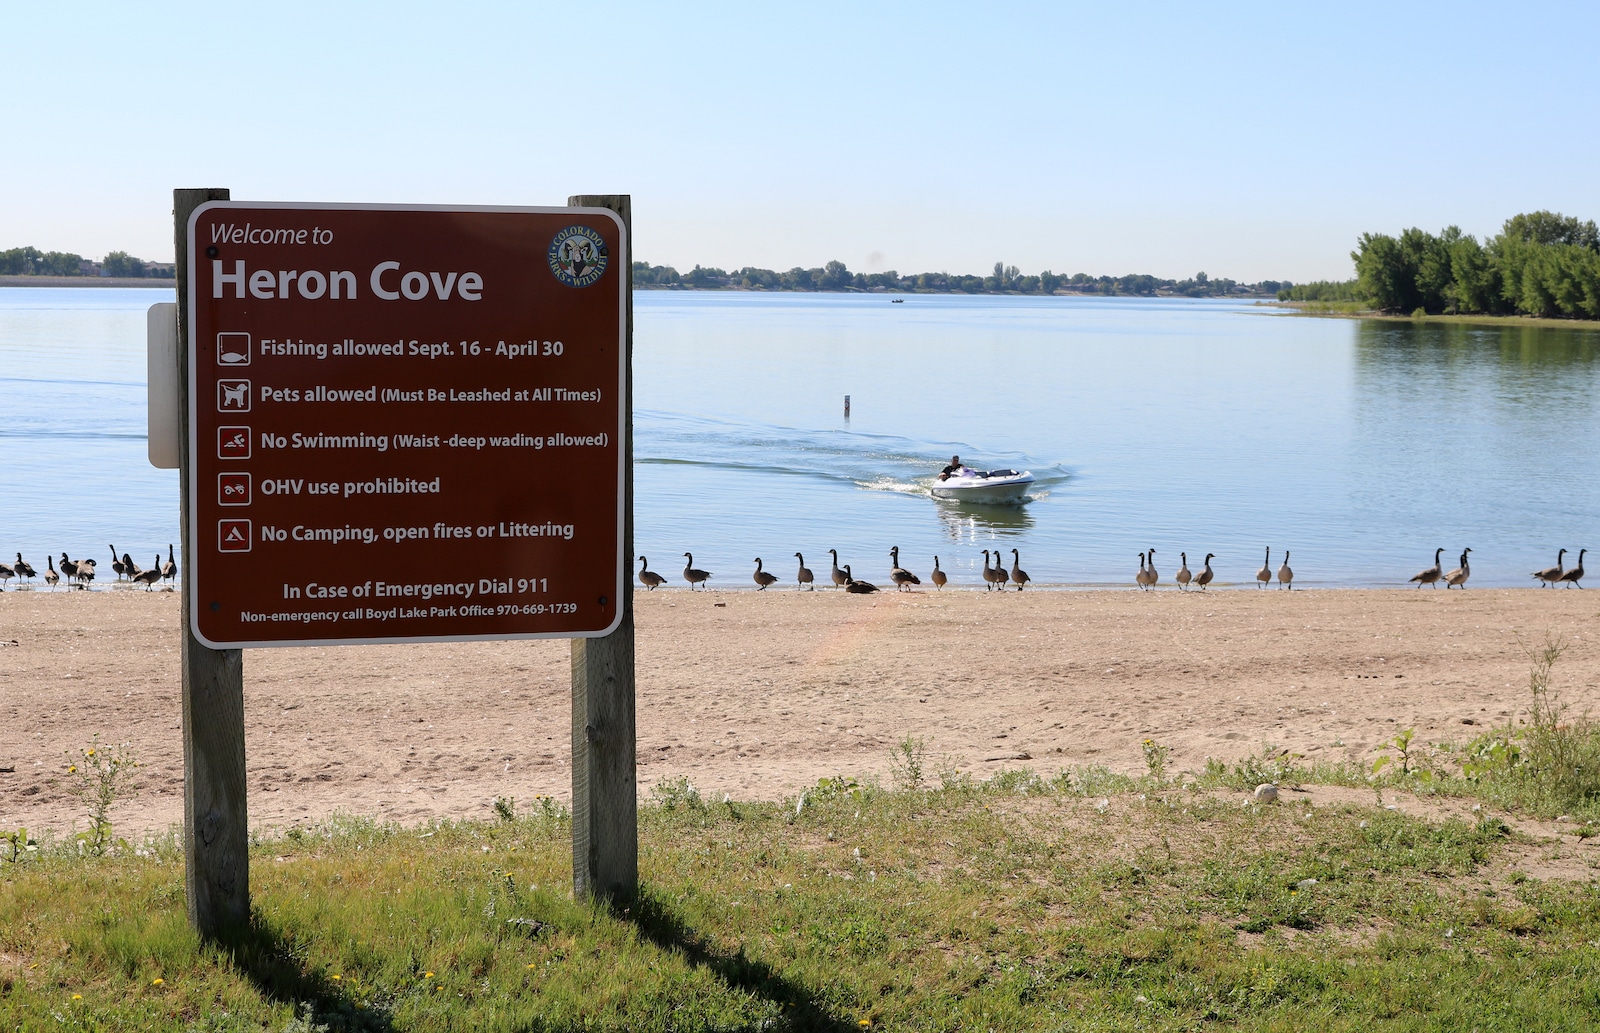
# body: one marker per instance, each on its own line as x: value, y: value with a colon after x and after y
x: 605, y: 804
x: 216, y: 834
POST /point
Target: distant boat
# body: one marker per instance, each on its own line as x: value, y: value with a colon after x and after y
x: 897, y: 301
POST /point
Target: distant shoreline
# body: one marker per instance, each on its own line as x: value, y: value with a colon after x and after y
x: 151, y: 282
x: 925, y: 292
x: 89, y: 281
x: 1337, y: 310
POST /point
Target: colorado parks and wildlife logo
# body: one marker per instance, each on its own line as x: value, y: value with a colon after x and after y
x: 578, y: 256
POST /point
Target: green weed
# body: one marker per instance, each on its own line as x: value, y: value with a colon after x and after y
x: 99, y: 778
x: 906, y: 763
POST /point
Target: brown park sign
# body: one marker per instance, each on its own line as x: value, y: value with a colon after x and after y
x: 405, y: 423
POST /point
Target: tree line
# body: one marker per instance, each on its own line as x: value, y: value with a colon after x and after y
x: 1539, y: 264
x: 30, y: 261
x: 1005, y: 279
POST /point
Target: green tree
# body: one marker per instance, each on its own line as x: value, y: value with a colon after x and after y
x: 1384, y: 273
x: 834, y: 276
x: 120, y: 263
x: 1544, y: 227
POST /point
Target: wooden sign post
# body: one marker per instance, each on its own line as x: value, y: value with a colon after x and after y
x: 404, y: 423
x: 216, y: 827
x: 605, y: 800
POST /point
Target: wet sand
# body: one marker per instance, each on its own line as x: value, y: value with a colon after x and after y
x: 767, y: 693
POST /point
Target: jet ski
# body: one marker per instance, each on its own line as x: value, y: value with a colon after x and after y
x: 990, y: 487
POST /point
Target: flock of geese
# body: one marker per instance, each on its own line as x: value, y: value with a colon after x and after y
x: 1555, y: 575
x: 997, y: 576
x: 82, y: 571
x: 79, y: 573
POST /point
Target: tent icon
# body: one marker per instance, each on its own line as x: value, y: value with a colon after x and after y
x: 233, y: 536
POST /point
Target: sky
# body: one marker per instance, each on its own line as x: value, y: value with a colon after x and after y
x: 1250, y: 140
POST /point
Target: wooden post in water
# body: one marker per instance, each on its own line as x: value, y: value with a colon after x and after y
x: 605, y: 802
x: 215, y: 823
x: 847, y: 407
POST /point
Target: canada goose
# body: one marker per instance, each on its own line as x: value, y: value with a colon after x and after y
x: 902, y: 577
x: 1285, y: 575
x: 994, y: 575
x: 649, y: 578
x: 804, y: 576
x: 1019, y: 577
x: 117, y: 566
x: 1183, y: 577
x: 691, y: 575
x: 857, y: 587
x: 131, y: 568
x: 1264, y: 575
x: 1550, y: 575
x: 838, y: 575
x: 1147, y: 574
x: 69, y: 568
x: 6, y: 574
x: 1432, y: 575
x: 85, y: 573
x: 1571, y: 577
x: 169, y: 569
x: 22, y: 568
x: 51, y: 578
x: 151, y: 576
x: 762, y: 578
x: 1459, y: 575
x: 1151, y: 572
x: 1204, y: 577
x: 938, y: 576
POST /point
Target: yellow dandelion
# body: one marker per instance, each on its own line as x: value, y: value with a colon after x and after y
x: 158, y: 981
x: 427, y: 975
x: 77, y: 997
x: 438, y: 988
x: 865, y: 1023
x: 533, y: 964
x: 88, y: 753
x: 72, y: 770
x: 337, y: 978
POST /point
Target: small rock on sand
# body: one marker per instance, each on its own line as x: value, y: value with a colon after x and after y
x: 1266, y: 792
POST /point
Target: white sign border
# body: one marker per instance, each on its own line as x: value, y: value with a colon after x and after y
x: 624, y: 417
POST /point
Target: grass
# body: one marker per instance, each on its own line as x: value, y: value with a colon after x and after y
x: 1361, y: 310
x: 1089, y: 901
x: 1092, y: 901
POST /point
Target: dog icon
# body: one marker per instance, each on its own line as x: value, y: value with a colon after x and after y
x: 233, y: 396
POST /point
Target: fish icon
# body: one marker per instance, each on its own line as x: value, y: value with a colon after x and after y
x: 233, y: 349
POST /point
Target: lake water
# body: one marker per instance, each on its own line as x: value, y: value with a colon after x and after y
x: 1197, y: 426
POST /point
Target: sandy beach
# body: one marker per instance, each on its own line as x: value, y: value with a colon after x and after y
x: 759, y: 695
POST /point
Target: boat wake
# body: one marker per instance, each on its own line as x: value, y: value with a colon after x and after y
x: 867, y: 462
